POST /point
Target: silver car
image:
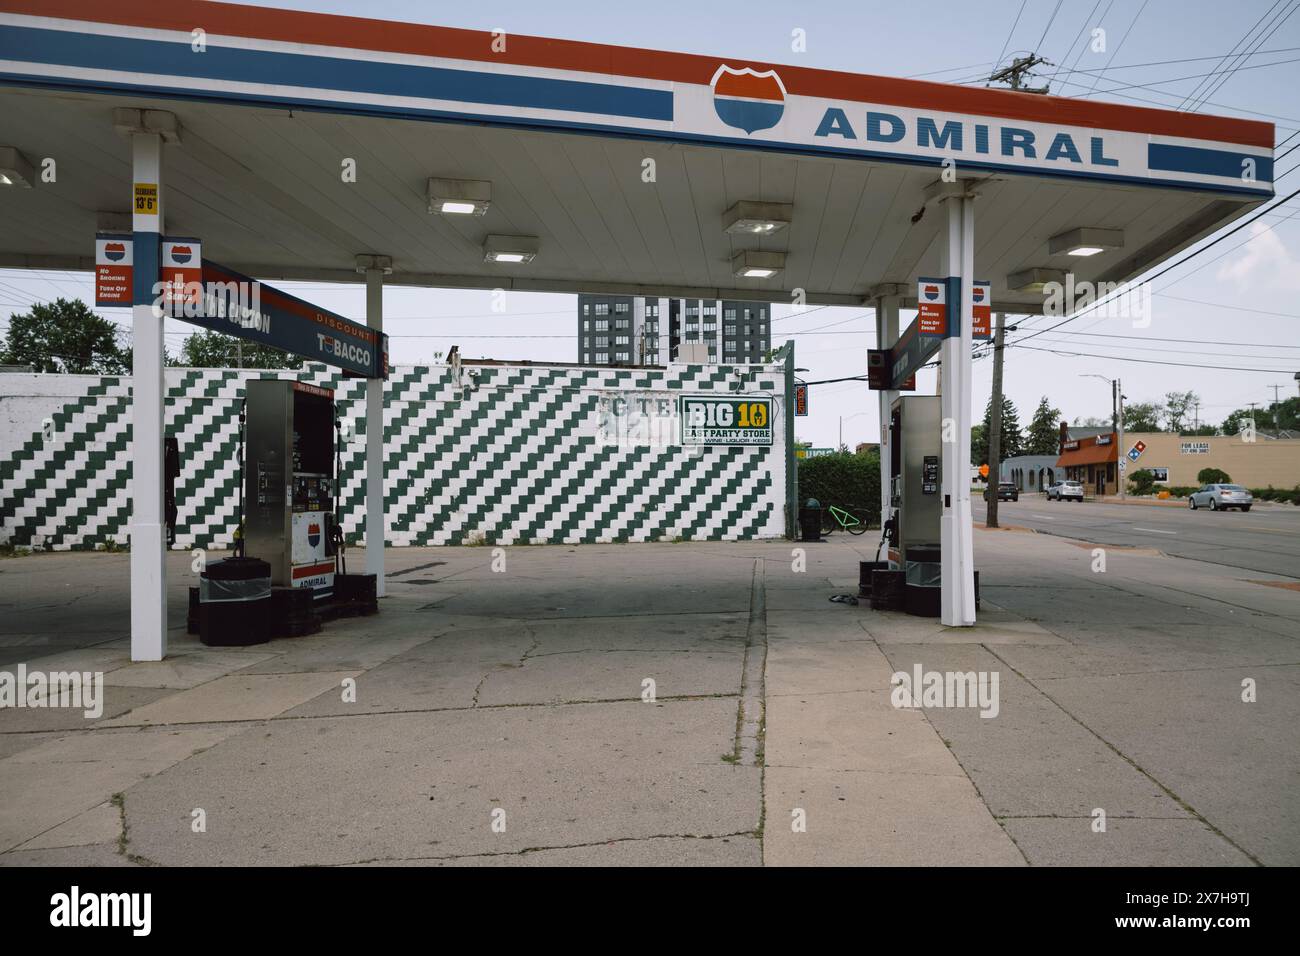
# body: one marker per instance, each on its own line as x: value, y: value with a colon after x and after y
x: 1065, y: 491
x: 1220, y: 497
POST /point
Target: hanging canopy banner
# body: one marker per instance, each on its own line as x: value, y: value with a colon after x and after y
x: 235, y: 304
x: 912, y: 350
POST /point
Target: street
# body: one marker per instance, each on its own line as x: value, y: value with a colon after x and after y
x: 1266, y: 538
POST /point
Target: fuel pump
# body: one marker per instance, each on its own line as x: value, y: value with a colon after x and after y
x: 915, y: 502
x: 289, y: 483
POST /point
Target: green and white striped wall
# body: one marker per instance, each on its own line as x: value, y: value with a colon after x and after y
x: 518, y: 456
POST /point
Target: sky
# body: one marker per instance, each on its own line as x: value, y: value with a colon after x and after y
x: 1225, y: 325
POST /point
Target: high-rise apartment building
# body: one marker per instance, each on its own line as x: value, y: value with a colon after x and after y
x: 618, y: 330
x: 624, y: 330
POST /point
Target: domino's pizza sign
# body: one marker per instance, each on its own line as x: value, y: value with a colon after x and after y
x: 1136, y: 451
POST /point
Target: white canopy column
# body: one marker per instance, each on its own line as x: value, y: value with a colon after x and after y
x: 375, y: 268
x: 147, y: 129
x: 957, y: 262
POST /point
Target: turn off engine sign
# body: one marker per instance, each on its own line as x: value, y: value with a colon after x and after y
x: 726, y: 421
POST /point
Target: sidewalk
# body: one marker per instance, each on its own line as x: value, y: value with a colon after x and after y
x: 521, y: 698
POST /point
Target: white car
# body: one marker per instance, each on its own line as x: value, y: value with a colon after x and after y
x: 1063, y: 490
x: 1220, y: 498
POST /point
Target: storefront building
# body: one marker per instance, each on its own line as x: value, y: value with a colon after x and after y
x: 1092, y: 460
x: 1176, y: 460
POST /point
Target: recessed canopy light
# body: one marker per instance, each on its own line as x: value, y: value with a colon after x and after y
x: 1033, y: 280
x: 459, y: 197
x: 757, y: 264
x: 756, y: 218
x: 512, y: 249
x: 15, y: 168
x: 1085, y: 241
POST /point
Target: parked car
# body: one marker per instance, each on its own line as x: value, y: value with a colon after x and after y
x: 1063, y: 490
x: 1221, y: 497
x: 1007, y: 491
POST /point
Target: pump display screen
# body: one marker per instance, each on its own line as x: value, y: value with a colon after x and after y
x: 930, y: 475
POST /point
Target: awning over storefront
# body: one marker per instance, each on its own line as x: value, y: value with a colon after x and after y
x: 1088, y: 455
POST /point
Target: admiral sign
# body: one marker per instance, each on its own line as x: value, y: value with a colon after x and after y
x: 423, y: 72
x: 726, y: 421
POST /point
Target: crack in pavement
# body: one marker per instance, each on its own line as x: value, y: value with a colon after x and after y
x: 1168, y: 791
x: 560, y: 846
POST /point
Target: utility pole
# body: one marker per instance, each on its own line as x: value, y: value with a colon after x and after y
x: 1015, y: 74
x: 1121, y: 456
x: 995, y: 427
x: 1277, y: 402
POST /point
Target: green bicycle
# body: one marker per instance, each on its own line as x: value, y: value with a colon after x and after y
x: 852, y: 520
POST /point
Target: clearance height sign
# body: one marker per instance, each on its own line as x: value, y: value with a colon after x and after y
x: 726, y: 421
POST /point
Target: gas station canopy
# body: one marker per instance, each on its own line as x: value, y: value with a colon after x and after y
x: 305, y: 146
x: 271, y: 109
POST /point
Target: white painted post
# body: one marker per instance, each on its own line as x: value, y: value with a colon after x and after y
x: 376, y: 525
x: 148, y: 534
x: 886, y: 336
x: 957, y: 253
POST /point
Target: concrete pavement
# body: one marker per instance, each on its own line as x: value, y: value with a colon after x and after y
x: 668, y: 704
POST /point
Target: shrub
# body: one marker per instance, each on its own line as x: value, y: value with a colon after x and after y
x: 1213, y: 476
x: 1141, y: 482
x: 843, y: 479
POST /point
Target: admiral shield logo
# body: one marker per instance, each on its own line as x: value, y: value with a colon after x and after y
x: 182, y: 254
x: 746, y: 99
x: 931, y: 292
x: 115, y: 252
x: 313, y: 534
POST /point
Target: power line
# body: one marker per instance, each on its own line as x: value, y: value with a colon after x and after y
x: 1012, y: 33
x: 1121, y: 358
x: 1243, y: 224
x: 1188, y: 99
x: 1216, y: 85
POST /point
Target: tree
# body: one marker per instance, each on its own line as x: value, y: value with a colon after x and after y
x: 1012, y: 441
x: 214, y: 350
x: 1233, y: 423
x: 1285, y: 414
x: 1143, y: 417
x: 1044, y: 436
x: 1213, y: 476
x: 1178, y: 405
x: 65, y: 336
x: 979, y: 445
x: 1092, y: 421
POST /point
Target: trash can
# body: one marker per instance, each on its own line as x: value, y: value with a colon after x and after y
x: 865, y: 571
x: 810, y: 520
x: 235, y: 603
